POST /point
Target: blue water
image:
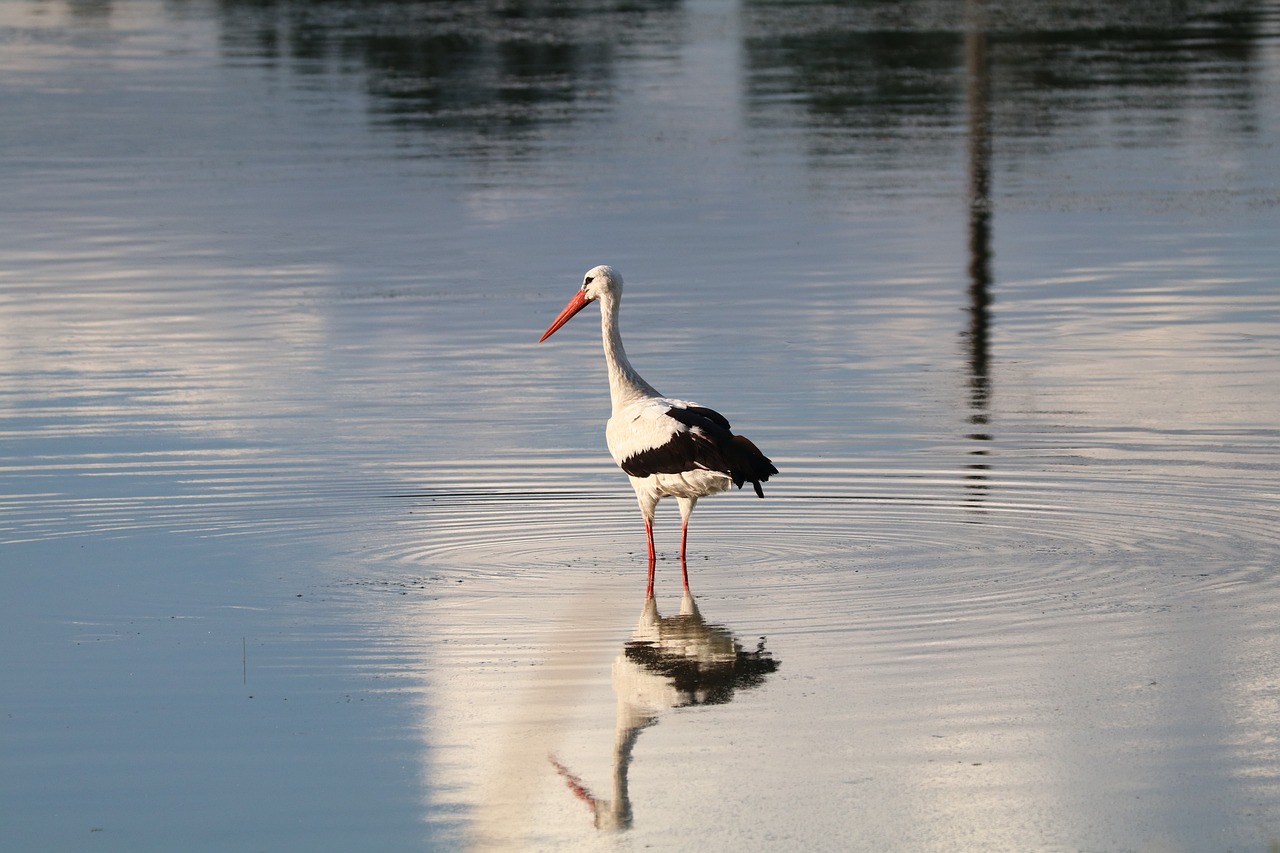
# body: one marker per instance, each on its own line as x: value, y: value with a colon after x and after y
x: 306, y: 543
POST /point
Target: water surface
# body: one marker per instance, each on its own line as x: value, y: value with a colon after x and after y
x: 306, y: 543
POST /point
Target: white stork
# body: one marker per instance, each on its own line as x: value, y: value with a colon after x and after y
x: 668, y: 448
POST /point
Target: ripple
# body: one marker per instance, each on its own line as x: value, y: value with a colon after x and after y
x: 827, y: 530
x: 1026, y: 530
x: 203, y: 493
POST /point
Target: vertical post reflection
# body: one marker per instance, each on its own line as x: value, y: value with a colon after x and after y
x: 978, y: 91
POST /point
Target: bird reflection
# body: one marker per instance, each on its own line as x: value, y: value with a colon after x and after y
x: 670, y: 662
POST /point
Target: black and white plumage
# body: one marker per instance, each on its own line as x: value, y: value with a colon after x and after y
x: 667, y: 447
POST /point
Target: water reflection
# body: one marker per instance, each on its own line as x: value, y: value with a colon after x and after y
x: 879, y: 81
x: 227, y: 335
x: 670, y: 662
x: 978, y: 85
x: 500, y: 71
x: 885, y: 71
x: 89, y: 11
x: 876, y: 80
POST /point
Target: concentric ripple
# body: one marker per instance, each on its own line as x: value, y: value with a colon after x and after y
x: 827, y: 524
x: 1048, y: 523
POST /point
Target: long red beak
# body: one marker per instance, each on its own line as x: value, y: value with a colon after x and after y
x: 576, y: 304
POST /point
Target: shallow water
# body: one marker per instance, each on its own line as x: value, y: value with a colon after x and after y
x: 305, y: 543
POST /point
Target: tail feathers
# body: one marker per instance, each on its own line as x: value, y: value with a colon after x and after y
x: 748, y: 465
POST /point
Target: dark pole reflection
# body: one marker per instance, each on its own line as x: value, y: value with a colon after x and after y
x: 670, y: 662
x: 978, y: 90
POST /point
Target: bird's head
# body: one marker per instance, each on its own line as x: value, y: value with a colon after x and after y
x: 599, y: 282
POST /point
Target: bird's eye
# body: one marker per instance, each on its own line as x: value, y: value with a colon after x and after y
x: 588, y: 280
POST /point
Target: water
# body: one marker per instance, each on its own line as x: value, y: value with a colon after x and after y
x: 307, y: 544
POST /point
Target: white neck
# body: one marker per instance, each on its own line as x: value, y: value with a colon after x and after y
x: 625, y: 385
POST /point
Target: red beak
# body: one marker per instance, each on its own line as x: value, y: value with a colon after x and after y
x: 576, y: 304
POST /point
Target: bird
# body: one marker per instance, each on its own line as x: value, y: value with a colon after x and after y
x: 667, y: 447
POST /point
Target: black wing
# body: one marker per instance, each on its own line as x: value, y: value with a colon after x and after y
x: 705, y: 443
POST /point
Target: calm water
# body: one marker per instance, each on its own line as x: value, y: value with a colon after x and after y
x: 306, y: 544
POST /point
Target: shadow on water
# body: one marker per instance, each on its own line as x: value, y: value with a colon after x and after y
x: 670, y: 662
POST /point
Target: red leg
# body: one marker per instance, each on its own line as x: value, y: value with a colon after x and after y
x: 684, y: 541
x: 648, y: 530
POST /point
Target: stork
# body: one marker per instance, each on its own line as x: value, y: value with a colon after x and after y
x: 667, y: 447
